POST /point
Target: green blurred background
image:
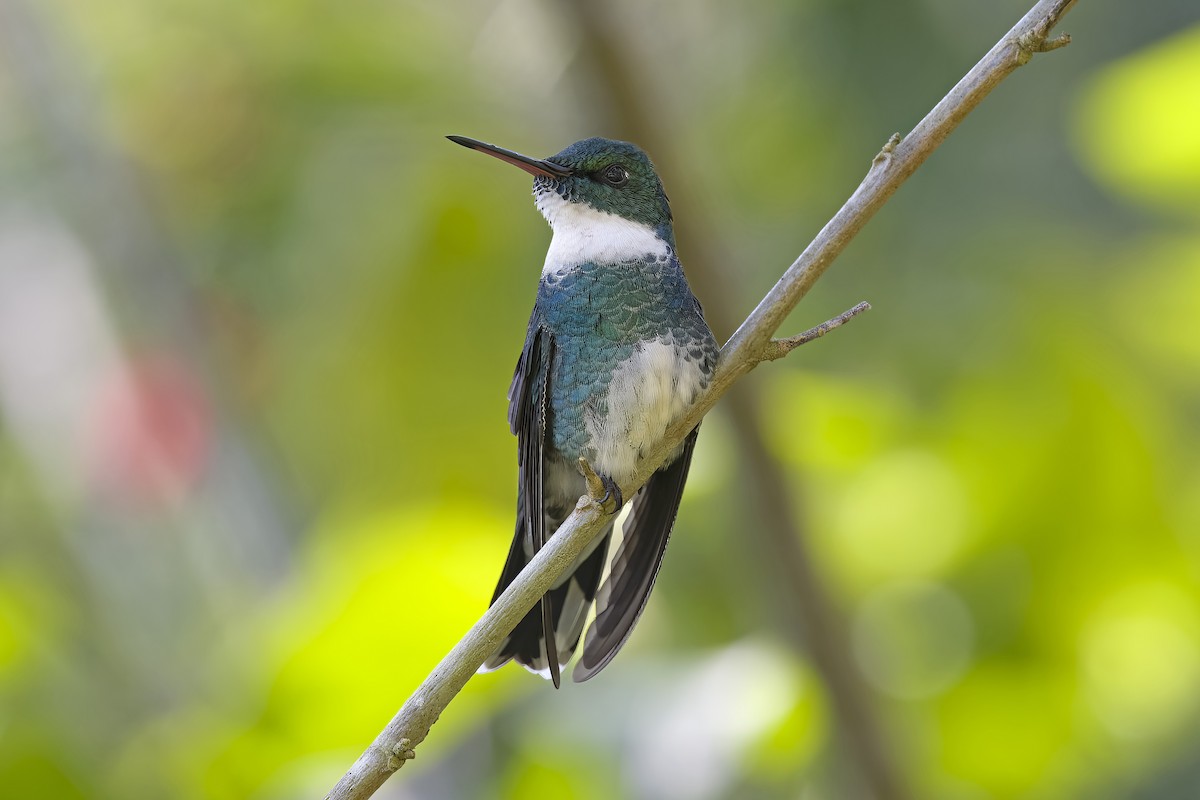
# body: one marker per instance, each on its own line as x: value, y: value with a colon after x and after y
x: 258, y: 319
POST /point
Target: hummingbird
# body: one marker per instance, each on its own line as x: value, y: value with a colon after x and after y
x: 616, y: 350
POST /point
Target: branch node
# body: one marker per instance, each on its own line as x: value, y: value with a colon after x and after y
x: 1035, y: 41
x: 401, y: 752
x: 778, y: 348
x: 884, y: 156
x: 1062, y: 40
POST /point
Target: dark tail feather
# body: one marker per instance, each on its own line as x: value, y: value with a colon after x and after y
x: 623, y: 595
x: 546, y: 604
x: 562, y: 611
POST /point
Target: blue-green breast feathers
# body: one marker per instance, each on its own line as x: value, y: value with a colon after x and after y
x: 636, y: 324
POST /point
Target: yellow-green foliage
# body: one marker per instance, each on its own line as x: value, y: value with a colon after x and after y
x: 998, y: 468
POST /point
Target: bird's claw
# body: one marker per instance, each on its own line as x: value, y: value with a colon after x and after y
x: 597, y: 482
x: 611, y: 492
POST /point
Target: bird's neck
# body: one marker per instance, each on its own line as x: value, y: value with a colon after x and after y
x: 583, y: 235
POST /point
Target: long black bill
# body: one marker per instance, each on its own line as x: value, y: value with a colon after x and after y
x: 534, y: 166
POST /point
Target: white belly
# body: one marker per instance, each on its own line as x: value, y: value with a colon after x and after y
x: 649, y: 391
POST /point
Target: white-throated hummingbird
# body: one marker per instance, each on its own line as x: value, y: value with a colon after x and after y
x: 617, y: 349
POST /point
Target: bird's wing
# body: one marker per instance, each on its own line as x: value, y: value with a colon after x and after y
x: 527, y: 413
x: 635, y: 566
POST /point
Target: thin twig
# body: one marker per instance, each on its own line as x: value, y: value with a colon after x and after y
x: 740, y: 355
x: 778, y: 348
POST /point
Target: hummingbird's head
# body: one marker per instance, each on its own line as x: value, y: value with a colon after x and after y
x: 597, y: 175
x: 608, y: 176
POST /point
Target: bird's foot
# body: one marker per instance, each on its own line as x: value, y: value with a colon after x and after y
x: 611, y: 492
x: 601, y: 483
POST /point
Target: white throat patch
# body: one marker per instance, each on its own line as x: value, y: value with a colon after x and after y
x: 583, y: 234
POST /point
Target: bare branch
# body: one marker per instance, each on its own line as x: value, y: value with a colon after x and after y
x: 778, y: 348
x: 740, y: 355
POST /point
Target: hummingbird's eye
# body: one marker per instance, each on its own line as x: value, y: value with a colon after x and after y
x: 615, y: 175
